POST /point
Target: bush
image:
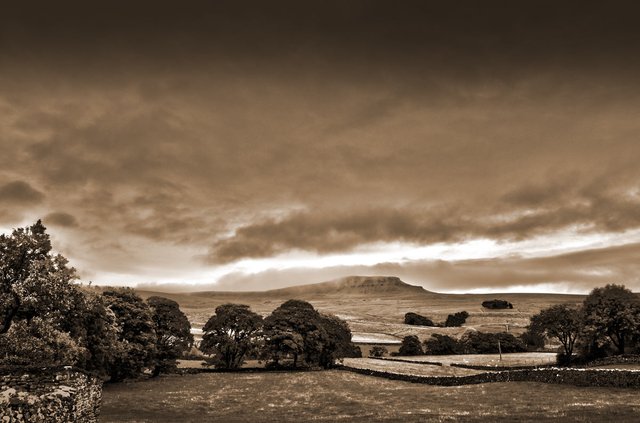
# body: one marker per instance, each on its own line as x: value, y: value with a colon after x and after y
x: 487, y: 343
x: 378, y: 351
x: 417, y: 320
x: 497, y: 304
x: 456, y: 320
x: 410, y: 346
x: 443, y: 345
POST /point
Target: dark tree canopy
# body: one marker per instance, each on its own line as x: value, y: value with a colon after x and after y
x: 338, y: 341
x: 497, y: 304
x: 295, y: 329
x: 230, y: 334
x: 487, y: 343
x: 173, y: 333
x: 378, y: 351
x: 561, y: 322
x: 136, y: 342
x: 443, y: 345
x: 457, y: 319
x: 410, y: 346
x: 417, y: 320
x: 612, y: 314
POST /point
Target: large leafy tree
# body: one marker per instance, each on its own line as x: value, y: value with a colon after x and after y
x: 34, y: 282
x: 295, y: 330
x: 338, y: 343
x: 612, y: 312
x: 173, y: 333
x: 233, y: 332
x: 135, y: 349
x: 37, y: 300
x: 560, y: 322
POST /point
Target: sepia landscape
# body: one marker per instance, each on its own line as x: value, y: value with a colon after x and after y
x: 319, y: 211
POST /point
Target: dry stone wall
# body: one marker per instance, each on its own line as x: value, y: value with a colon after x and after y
x: 578, y: 377
x: 48, y: 395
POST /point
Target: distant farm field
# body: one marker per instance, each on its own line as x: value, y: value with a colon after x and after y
x: 347, y: 397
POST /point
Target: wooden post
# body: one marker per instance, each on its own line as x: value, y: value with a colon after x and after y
x: 499, y: 350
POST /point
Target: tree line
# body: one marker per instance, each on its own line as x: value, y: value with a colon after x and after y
x: 48, y: 319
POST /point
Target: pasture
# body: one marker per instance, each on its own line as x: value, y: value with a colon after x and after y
x: 337, y: 396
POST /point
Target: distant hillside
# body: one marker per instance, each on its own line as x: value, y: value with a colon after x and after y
x: 364, y: 285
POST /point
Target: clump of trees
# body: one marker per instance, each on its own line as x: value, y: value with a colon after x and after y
x: 474, y: 343
x: 294, y: 334
x: 606, y: 323
x: 48, y: 319
x: 453, y: 320
x: 378, y: 351
x: 410, y: 346
x: 497, y: 304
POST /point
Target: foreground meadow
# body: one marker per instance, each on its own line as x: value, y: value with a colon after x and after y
x: 347, y: 397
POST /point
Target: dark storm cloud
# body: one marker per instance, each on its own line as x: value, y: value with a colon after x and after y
x: 325, y: 231
x: 20, y: 193
x: 61, y: 219
x: 262, y: 127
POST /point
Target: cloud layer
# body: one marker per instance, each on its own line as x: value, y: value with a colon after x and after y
x: 160, y: 140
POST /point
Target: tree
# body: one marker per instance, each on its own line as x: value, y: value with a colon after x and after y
x: 417, y: 320
x: 230, y: 334
x: 410, y: 346
x: 135, y: 349
x: 443, y: 345
x: 561, y: 322
x: 37, y: 299
x: 457, y: 319
x: 497, y: 304
x: 487, y: 343
x: 33, y: 280
x: 338, y: 343
x: 173, y: 333
x: 295, y: 330
x: 378, y: 351
x: 93, y: 325
x: 613, y: 312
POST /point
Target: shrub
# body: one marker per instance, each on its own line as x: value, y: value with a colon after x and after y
x: 378, y: 351
x: 417, y: 320
x: 487, y: 343
x: 410, y: 346
x: 443, y: 345
x: 497, y: 304
x: 457, y: 319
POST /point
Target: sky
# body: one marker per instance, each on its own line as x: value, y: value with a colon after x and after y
x: 464, y: 146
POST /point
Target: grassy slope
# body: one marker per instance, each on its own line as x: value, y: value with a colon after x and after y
x: 335, y: 396
x: 379, y: 308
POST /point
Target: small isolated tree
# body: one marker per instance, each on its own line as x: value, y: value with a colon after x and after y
x: 443, y: 345
x: 410, y: 346
x: 173, y: 333
x: 378, y: 351
x: 230, y: 334
x: 562, y: 323
x: 135, y: 349
x: 417, y: 320
x: 612, y: 312
x: 457, y: 319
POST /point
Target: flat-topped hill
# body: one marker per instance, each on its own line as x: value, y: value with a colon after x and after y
x: 353, y: 285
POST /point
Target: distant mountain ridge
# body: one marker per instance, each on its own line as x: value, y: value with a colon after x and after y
x: 353, y: 285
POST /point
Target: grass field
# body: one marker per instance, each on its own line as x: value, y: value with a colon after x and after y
x: 336, y: 396
x: 407, y: 368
